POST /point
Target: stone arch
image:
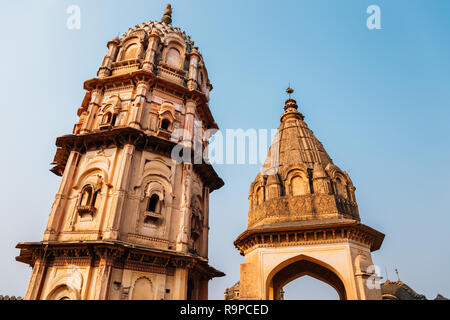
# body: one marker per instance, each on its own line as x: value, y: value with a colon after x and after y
x: 63, y: 292
x: 142, y: 289
x: 299, y: 266
x: 67, y: 286
x: 174, y: 53
x: 107, y: 115
x: 130, y: 52
x: 297, y: 182
x: 173, y: 57
x: 196, y: 222
x: 132, y: 47
x: 84, y: 178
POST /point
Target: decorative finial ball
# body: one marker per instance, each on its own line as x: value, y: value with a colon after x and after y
x: 168, y: 10
x: 289, y: 90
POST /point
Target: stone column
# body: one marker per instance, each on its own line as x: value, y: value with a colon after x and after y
x: 185, y: 209
x: 59, y: 204
x: 103, y: 278
x: 188, y: 134
x: 203, y: 290
x: 180, y: 284
x: 121, y: 190
x: 105, y: 69
x: 36, y: 281
x: 96, y: 98
x: 153, y: 43
x: 139, y: 102
x: 194, y: 58
x: 205, y: 233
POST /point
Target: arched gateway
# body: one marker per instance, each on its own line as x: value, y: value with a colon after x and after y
x: 303, y: 220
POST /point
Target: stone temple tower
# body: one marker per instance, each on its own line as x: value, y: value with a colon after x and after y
x: 128, y: 221
x: 303, y: 220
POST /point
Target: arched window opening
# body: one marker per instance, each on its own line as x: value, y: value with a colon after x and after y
x: 131, y: 52
x: 107, y: 118
x: 173, y: 58
x: 201, y: 79
x: 154, y: 204
x: 153, y: 210
x: 196, y: 232
x: 165, y: 124
x: 298, y: 186
x: 113, y: 120
x: 259, y: 195
x: 88, y: 200
x: 86, y: 195
x: 341, y: 188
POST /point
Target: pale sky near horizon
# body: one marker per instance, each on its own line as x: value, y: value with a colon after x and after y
x: 378, y: 100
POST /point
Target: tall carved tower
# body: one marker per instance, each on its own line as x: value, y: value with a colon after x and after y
x: 128, y: 221
x: 303, y: 220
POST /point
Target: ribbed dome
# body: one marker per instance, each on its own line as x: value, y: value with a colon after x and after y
x: 294, y: 143
x: 298, y: 180
x: 163, y: 30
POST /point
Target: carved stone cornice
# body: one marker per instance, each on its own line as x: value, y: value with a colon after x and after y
x: 304, y: 207
x: 119, y: 254
x: 118, y: 137
x: 309, y: 233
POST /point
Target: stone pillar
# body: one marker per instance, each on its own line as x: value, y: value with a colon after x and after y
x: 203, y: 290
x: 96, y: 98
x: 36, y: 281
x: 122, y: 182
x: 59, y: 204
x: 188, y: 134
x: 180, y: 284
x: 150, y: 55
x: 205, y: 233
x: 321, y: 182
x: 105, y: 69
x: 103, y: 278
x: 185, y: 209
x: 194, y: 58
x: 273, y: 187
x: 139, y: 102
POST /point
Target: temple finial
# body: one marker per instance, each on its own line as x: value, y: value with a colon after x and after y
x: 289, y: 91
x: 167, y: 17
x: 398, y: 277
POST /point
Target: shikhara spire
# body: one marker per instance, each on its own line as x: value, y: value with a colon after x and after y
x: 303, y: 219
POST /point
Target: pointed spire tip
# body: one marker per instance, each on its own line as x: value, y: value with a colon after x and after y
x: 167, y: 17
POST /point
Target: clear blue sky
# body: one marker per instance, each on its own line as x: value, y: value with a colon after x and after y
x: 378, y: 100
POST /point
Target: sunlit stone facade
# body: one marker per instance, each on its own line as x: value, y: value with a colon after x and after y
x: 303, y: 220
x: 128, y: 222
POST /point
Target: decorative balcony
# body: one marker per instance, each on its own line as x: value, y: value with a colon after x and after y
x: 150, y: 216
x: 163, y: 133
x: 177, y: 76
x: 105, y: 126
x: 83, y: 210
x: 126, y: 66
